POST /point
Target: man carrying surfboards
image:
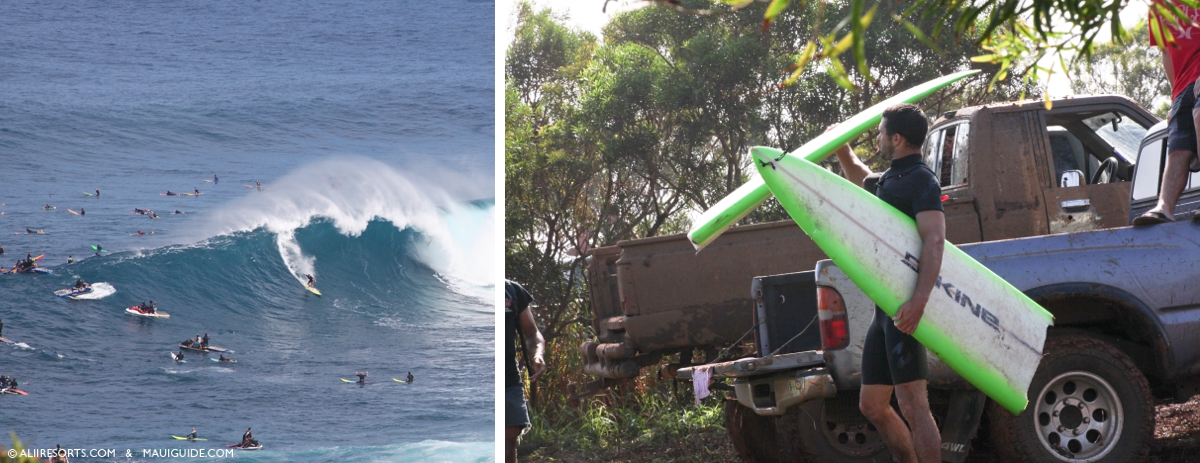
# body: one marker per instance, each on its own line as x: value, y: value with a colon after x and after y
x: 892, y: 359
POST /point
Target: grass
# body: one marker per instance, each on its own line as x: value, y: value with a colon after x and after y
x: 648, y: 426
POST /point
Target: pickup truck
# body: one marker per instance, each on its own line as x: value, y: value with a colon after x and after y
x: 657, y: 298
x: 1070, y: 175
x: 1127, y: 321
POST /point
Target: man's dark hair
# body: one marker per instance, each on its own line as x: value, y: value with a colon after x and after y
x: 908, y: 121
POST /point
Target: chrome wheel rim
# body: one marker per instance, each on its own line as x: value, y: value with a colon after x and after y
x: 1078, y: 417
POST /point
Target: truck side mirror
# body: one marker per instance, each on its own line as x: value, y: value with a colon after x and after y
x: 1071, y: 178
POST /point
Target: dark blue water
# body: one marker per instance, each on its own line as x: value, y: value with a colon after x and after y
x: 370, y: 127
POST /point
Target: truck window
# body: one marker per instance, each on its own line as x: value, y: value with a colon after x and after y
x: 1126, y: 137
x: 945, y: 152
x: 1149, y: 171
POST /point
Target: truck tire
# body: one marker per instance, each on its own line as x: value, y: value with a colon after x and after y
x: 753, y: 436
x: 1088, y: 402
x: 831, y: 431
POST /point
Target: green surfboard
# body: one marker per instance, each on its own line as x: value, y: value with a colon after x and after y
x: 713, y: 222
x: 983, y: 328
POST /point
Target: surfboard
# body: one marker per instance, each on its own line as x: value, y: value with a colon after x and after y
x: 226, y: 360
x: 88, y: 194
x: 51, y: 208
x: 344, y: 380
x: 43, y: 270
x: 238, y: 446
x: 401, y: 381
x: 312, y: 290
x: 98, y: 249
x: 192, y: 194
x: 186, y: 438
x: 39, y: 257
x: 713, y: 222
x: 73, y: 212
x: 979, y: 325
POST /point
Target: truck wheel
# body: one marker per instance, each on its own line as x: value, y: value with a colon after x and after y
x: 753, y: 436
x: 1088, y: 402
x: 831, y: 431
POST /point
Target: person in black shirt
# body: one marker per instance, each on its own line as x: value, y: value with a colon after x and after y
x: 892, y: 359
x: 517, y: 315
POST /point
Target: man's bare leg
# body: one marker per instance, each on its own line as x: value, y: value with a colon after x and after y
x: 914, y: 403
x: 1174, y: 179
x: 875, y: 401
x: 510, y: 443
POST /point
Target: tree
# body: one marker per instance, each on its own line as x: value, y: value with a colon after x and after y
x: 1134, y: 69
x: 1018, y: 34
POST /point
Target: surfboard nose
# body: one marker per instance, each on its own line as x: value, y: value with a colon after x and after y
x: 764, y: 157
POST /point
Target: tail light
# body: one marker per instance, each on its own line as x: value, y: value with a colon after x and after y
x: 831, y: 310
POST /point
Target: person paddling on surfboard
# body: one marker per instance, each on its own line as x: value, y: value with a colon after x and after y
x: 892, y: 360
x: 362, y: 377
x: 170, y: 193
x: 178, y: 357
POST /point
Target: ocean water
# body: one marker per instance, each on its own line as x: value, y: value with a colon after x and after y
x: 370, y: 128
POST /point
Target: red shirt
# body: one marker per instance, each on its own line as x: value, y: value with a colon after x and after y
x: 1184, y: 52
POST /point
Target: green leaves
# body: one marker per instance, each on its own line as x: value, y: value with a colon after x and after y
x: 776, y: 7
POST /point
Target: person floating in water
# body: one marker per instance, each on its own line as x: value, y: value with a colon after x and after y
x: 34, y: 232
x: 82, y: 212
x: 215, y: 179
x: 97, y: 192
x: 362, y: 377
x: 258, y: 184
x: 177, y: 211
x: 48, y: 207
x: 197, y: 190
x: 410, y: 377
x: 178, y: 357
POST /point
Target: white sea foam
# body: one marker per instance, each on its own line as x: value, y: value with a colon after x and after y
x: 351, y: 192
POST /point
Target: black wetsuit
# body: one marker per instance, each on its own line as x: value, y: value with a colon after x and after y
x: 891, y: 357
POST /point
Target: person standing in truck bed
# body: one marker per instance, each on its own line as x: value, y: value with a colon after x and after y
x: 518, y: 316
x: 892, y: 360
x: 1181, y: 59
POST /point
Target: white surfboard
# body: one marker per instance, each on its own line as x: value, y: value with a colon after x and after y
x: 985, y: 329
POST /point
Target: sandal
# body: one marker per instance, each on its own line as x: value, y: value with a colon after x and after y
x: 1152, y: 218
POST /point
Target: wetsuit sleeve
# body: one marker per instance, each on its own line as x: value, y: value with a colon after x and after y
x: 522, y: 298
x: 929, y: 194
